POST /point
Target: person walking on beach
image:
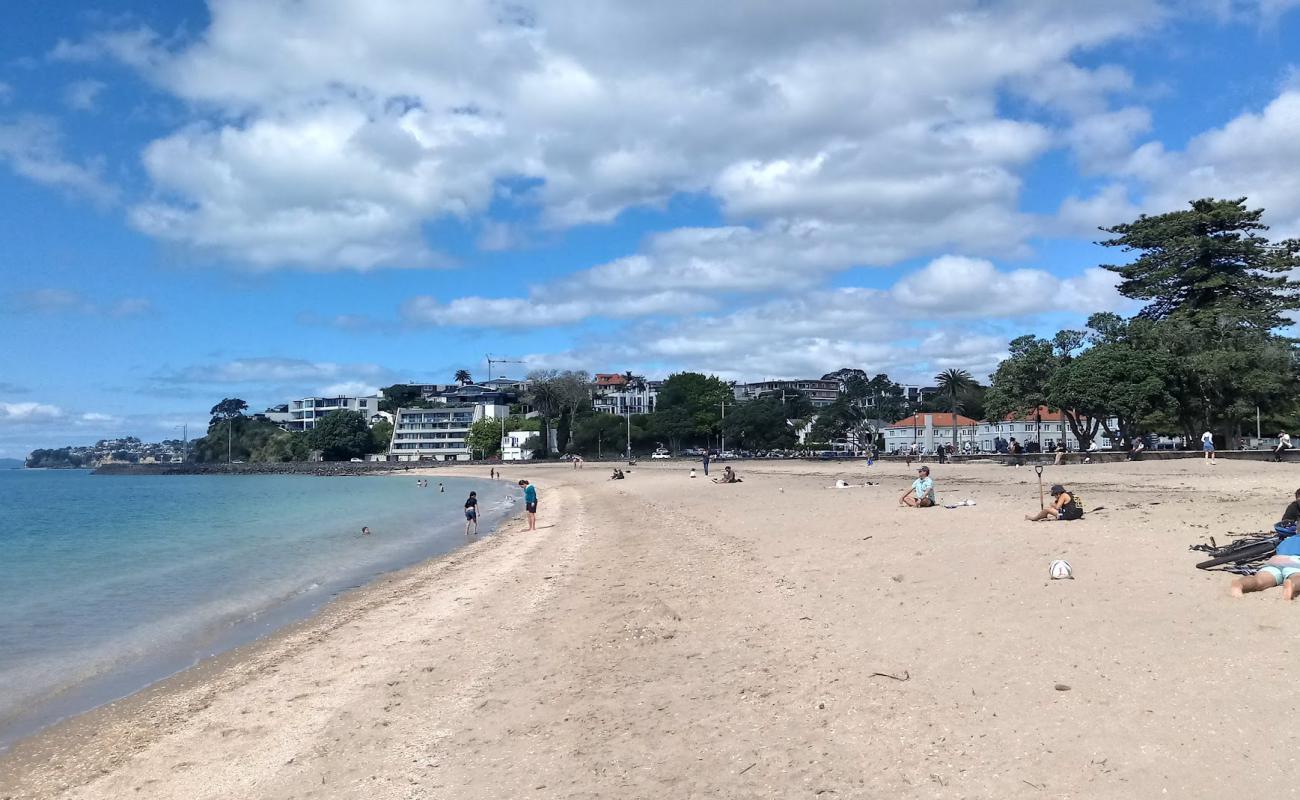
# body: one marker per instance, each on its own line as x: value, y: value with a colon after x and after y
x: 921, y: 495
x: 530, y: 503
x: 471, y: 513
x: 1207, y: 444
x: 706, y: 462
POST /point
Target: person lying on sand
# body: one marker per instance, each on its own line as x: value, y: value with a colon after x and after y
x: 921, y: 495
x: 1283, y: 569
x: 1065, y: 505
x: 728, y: 476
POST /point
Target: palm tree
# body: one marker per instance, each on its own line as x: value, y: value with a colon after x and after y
x: 953, y: 383
x: 462, y: 377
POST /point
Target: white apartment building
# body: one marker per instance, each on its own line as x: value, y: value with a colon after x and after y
x: 622, y: 400
x: 438, y: 434
x: 304, y: 413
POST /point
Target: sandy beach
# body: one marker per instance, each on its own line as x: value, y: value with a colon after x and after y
x: 667, y: 637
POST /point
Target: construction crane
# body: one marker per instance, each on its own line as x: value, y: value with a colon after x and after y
x: 491, y: 361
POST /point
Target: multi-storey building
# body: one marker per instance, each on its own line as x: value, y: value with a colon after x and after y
x: 637, y: 398
x: 304, y: 413
x: 820, y: 392
x: 439, y: 433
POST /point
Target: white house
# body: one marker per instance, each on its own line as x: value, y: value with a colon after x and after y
x: 304, y: 413
x: 513, y: 445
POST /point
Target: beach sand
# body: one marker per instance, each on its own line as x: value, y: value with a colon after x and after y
x: 663, y: 637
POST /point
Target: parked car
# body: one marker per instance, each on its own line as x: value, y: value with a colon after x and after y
x: 662, y: 455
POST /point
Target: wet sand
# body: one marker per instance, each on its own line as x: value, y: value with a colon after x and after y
x: 668, y: 637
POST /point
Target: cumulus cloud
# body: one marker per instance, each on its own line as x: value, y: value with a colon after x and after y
x: 31, y: 147
x: 29, y: 412
x: 882, y: 122
x: 1251, y: 156
x: 953, y: 312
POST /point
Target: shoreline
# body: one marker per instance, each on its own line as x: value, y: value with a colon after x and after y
x: 87, y: 699
x: 124, y: 725
x: 662, y: 637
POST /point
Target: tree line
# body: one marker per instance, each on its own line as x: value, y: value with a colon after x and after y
x: 1207, y: 351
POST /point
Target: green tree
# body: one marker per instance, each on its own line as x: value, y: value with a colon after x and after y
x: 381, y: 433
x: 692, y: 407
x: 1208, y: 261
x: 953, y: 385
x: 281, y: 446
x: 555, y: 395
x: 796, y: 403
x: 341, y: 435
x: 760, y: 424
x: 600, y: 434
x: 840, y: 420
x: 228, y: 409
x: 888, y: 399
x: 462, y: 377
x: 484, y: 437
x: 1115, y: 381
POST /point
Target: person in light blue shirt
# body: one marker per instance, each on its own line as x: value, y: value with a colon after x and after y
x: 921, y: 495
x: 530, y: 503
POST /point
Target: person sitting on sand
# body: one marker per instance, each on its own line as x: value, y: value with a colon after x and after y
x: 728, y: 476
x: 921, y: 495
x: 1283, y: 445
x: 1292, y: 512
x: 617, y: 475
x: 1065, y: 505
x: 1138, y: 446
x: 1283, y: 569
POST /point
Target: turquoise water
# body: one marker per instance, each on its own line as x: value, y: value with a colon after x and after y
x: 108, y: 583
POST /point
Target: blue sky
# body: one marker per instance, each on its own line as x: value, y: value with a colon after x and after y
x: 275, y: 199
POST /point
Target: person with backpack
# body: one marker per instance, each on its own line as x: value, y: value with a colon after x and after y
x: 1065, y: 506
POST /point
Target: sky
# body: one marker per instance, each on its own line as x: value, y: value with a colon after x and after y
x: 275, y: 199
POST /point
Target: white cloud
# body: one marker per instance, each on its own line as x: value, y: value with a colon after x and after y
x: 515, y: 312
x: 954, y: 312
x: 29, y: 412
x: 880, y: 121
x: 349, y: 389
x: 1252, y: 156
x: 83, y: 95
x: 31, y: 147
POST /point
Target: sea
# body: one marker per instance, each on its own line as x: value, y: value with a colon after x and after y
x: 111, y: 583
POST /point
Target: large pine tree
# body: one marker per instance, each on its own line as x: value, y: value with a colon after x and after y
x: 1208, y: 263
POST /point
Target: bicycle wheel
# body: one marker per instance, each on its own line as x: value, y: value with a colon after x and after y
x: 1250, y: 553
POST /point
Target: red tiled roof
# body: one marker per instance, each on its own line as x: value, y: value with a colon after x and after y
x: 940, y: 420
x: 1048, y: 415
x: 610, y: 379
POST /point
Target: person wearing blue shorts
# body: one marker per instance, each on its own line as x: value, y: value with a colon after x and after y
x: 1207, y: 444
x: 1283, y: 569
